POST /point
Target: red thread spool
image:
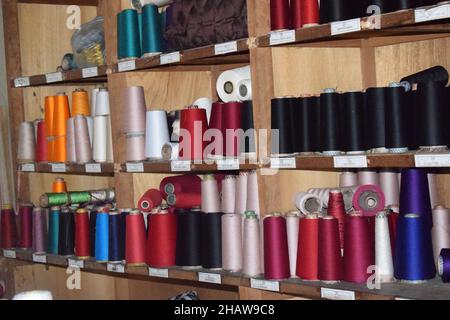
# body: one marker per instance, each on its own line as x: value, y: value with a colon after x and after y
x: 177, y: 184
x: 8, y: 229
x: 135, y: 239
x: 308, y: 248
x: 296, y: 14
x: 216, y: 126
x: 41, y: 142
x: 336, y: 208
x: 82, y: 245
x: 276, y: 254
x: 310, y: 13
x: 193, y: 126
x: 358, y: 251
x: 279, y: 14
x: 330, y: 258
x: 231, y: 123
x: 185, y: 200
x: 150, y: 200
x: 25, y: 219
x: 392, y: 219
x: 161, y: 240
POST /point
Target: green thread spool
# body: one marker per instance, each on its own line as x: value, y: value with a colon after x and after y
x: 151, y: 31
x: 54, y: 199
x: 79, y: 197
x: 250, y: 214
x: 128, y: 35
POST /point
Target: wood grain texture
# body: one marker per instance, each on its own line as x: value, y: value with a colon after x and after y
x: 254, y: 294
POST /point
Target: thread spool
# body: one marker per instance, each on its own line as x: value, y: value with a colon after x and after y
x: 161, y: 240
x: 295, y: 14
x: 39, y: 230
x: 25, y: 222
x: 368, y: 177
x: 330, y: 134
x: 135, y: 239
x: 210, y: 194
x: 308, y: 248
x: 128, y: 35
x: 59, y: 186
x: 80, y: 103
x: 309, y: 13
x: 100, y: 139
x: 292, y: 227
x: 215, y: 127
x: 444, y: 265
x: 134, y: 103
x: 251, y: 264
x: 375, y: 122
x: 369, y: 200
x: 432, y: 185
x: 336, y: 209
x: 232, y: 249
x: 279, y: 15
x: 179, y: 184
x: 434, y: 74
x: 71, y: 152
x: 383, y: 249
x: 60, y: 115
x: 228, y: 194
x: 441, y: 230
x: 102, y: 107
x: 82, y: 245
x: 330, y: 265
x: 241, y: 193
x: 352, y: 104
x: 348, y: 179
x: 135, y: 147
x: 53, y: 230
x: 307, y: 203
x: 211, y: 241
x: 83, y: 147
x: 150, y: 200
x: 59, y: 149
x: 102, y: 237
x: 398, y: 136
x: 282, y: 132
x: 157, y: 134
x: 193, y: 125
x: 8, y: 228
x: 116, y: 248
x: 49, y: 110
x: 27, y: 143
x: 188, y: 239
x: 231, y: 125
x: 390, y: 185
x: 184, y: 200
x: 244, y: 91
x: 66, y: 243
x: 92, y: 231
x: 305, y: 116
x: 41, y: 142
x: 253, y: 193
x: 248, y: 145
x: 152, y: 42
x: 276, y: 253
x: 227, y: 83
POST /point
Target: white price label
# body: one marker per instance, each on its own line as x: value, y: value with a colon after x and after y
x: 75, y: 263
x: 59, y: 167
x: 129, y: 65
x: 54, y: 77
x: 89, y: 72
x: 224, y: 48
x: 283, y: 163
x: 347, y: 26
x: 39, y: 258
x: 173, y: 57
x: 28, y: 167
x: 335, y: 294
x: 432, y: 160
x: 435, y: 13
x: 135, y: 167
x: 265, y: 285
x: 93, y: 168
x: 158, y: 273
x: 280, y: 37
x: 228, y: 164
x: 22, y: 82
x: 350, y: 162
x: 117, y: 268
x: 210, y: 277
x: 180, y: 166
x: 9, y: 254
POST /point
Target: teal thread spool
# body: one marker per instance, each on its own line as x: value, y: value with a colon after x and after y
x: 128, y: 35
x: 151, y: 31
x: 53, y: 230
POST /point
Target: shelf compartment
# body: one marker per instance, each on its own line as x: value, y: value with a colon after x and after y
x: 68, y: 168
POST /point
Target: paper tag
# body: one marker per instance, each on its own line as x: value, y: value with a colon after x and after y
x: 129, y: 65
x: 180, y: 166
x: 280, y: 37
x: 59, y: 167
x: 210, y: 277
x: 89, y: 72
x: 335, y: 294
x: 228, y: 164
x: 350, y: 162
x: 28, y: 167
x: 39, y: 258
x: 283, y: 163
x: 117, y: 268
x: 54, y: 77
x: 22, y: 82
x: 265, y: 285
x: 158, y: 273
x: 173, y: 57
x: 432, y: 160
x: 75, y: 263
x: 135, y: 167
x: 347, y: 26
x: 224, y: 48
x: 436, y: 13
x: 9, y: 254
x: 399, y: 298
x: 93, y: 168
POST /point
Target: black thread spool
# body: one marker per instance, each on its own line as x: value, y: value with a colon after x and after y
x: 338, y: 10
x: 374, y: 120
x: 293, y: 106
x: 92, y: 228
x: 398, y: 120
x: 116, y: 238
x: 307, y: 118
x: 352, y: 105
x: 66, y: 244
x: 403, y: 4
x: 188, y: 239
x: 432, y: 116
x: 211, y: 240
x: 249, y: 145
x: 434, y: 74
x: 281, y: 121
x: 330, y: 126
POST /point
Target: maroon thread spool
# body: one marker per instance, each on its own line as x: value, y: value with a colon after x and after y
x: 279, y: 15
x: 25, y: 219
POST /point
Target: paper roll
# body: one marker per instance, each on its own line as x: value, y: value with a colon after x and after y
x: 157, y: 134
x: 204, y: 103
x: 100, y: 144
x: 245, y: 90
x: 227, y: 83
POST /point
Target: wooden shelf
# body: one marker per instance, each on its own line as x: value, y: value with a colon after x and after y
x: 76, y: 169
x: 63, y: 2
x: 434, y: 289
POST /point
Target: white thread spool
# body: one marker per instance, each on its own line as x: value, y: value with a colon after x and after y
x: 100, y: 139
x: 227, y: 83
x: 27, y: 142
x: 307, y: 203
x: 157, y: 134
x: 383, y: 252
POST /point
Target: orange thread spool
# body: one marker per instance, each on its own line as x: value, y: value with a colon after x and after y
x: 49, y: 110
x: 61, y: 114
x: 80, y: 103
x: 59, y: 186
x: 59, y: 149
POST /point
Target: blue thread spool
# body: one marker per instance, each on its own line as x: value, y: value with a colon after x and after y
x: 151, y: 31
x: 53, y: 230
x: 128, y: 35
x: 102, y: 237
x: 116, y: 238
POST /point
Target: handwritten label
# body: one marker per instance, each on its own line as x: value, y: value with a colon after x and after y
x: 89, y: 72
x: 432, y: 160
x: 224, y: 48
x: 173, y: 57
x: 59, y: 167
x: 22, y: 82
x: 158, y: 273
x: 117, y: 268
x: 350, y: 162
x: 283, y: 163
x: 280, y: 37
x: 129, y: 65
x: 28, y: 167
x: 435, y: 13
x: 9, y: 254
x: 54, y: 77
x: 335, y: 294
x: 210, y: 277
x: 135, y: 167
x: 39, y: 258
x: 228, y: 164
x: 93, y: 168
x: 347, y: 26
x: 75, y: 263
x: 180, y: 166
x: 265, y: 285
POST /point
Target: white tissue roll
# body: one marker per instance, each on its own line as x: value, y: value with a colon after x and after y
x: 245, y: 90
x: 227, y: 83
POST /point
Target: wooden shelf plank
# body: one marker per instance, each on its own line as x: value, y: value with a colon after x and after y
x: 70, y: 168
x: 63, y: 2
